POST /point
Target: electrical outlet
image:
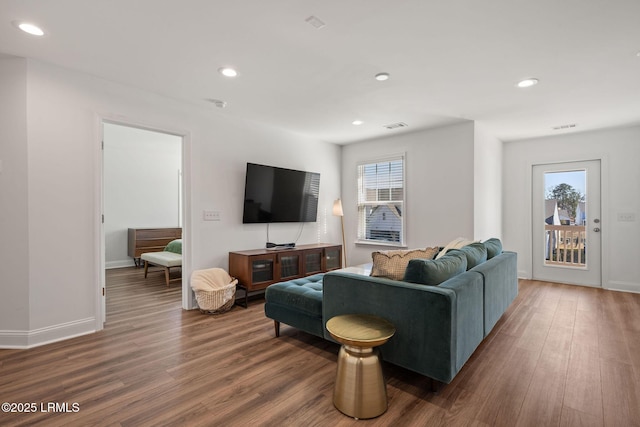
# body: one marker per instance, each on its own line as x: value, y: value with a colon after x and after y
x: 211, y: 216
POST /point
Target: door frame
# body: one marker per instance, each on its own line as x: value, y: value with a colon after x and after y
x: 604, y: 209
x: 100, y: 279
x: 591, y: 273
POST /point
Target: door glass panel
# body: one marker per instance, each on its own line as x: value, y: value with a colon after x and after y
x: 565, y: 218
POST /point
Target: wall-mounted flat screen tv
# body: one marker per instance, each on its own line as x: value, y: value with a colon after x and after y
x: 273, y: 194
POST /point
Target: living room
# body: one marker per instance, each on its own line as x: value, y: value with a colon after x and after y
x: 462, y: 179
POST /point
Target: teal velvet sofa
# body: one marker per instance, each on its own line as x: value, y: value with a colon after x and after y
x: 437, y: 327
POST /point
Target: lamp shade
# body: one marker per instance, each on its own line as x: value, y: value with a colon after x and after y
x: 337, y: 208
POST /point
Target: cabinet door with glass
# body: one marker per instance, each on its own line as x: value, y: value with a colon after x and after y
x: 262, y: 269
x: 313, y: 261
x: 332, y: 258
x: 290, y: 265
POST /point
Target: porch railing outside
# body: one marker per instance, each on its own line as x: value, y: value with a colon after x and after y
x: 565, y: 245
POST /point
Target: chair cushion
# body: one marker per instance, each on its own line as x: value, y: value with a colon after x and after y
x: 165, y: 259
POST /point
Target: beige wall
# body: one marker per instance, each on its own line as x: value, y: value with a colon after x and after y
x: 439, y: 186
x: 619, y: 151
x: 62, y: 190
x: 14, y: 166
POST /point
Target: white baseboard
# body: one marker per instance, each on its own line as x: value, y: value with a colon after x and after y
x: 47, y: 335
x: 119, y: 264
x: 624, y: 286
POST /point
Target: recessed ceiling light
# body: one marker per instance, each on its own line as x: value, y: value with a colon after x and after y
x: 528, y: 82
x: 357, y: 122
x: 29, y: 28
x: 382, y: 76
x: 228, y: 72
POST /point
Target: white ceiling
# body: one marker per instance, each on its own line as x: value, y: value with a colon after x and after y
x: 449, y: 60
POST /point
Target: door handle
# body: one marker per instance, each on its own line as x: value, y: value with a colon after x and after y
x: 597, y: 230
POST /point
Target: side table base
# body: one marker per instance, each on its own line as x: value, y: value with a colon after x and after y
x: 360, y: 390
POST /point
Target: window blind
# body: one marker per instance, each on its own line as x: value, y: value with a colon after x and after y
x: 381, y: 200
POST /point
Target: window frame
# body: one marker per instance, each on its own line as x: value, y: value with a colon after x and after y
x: 362, y: 205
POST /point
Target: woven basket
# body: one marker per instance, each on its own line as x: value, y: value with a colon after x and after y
x: 217, y: 301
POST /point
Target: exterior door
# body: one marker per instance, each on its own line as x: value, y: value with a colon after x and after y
x: 566, y: 223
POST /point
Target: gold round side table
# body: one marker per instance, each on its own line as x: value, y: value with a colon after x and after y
x: 360, y: 390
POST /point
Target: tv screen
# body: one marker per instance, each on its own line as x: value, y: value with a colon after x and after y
x: 273, y: 194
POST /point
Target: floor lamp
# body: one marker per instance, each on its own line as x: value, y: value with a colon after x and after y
x: 337, y: 211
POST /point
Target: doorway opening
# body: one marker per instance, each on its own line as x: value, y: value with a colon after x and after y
x: 142, y: 189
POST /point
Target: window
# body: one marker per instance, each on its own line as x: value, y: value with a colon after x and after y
x: 381, y: 201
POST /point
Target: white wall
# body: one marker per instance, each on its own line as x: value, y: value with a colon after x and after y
x: 487, y: 184
x: 440, y: 186
x: 619, y: 150
x: 64, y: 109
x: 141, y: 185
x: 14, y: 250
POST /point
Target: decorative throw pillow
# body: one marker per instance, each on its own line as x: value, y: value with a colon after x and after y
x: 433, y: 272
x: 174, y: 246
x: 494, y: 247
x: 392, y: 264
x: 476, y: 254
x: 454, y: 244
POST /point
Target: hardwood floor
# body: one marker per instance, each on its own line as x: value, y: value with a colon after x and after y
x: 561, y: 356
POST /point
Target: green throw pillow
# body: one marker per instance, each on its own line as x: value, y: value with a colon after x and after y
x: 476, y: 254
x: 174, y: 246
x: 433, y: 272
x: 494, y: 247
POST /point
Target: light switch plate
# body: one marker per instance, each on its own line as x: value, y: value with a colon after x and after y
x: 211, y: 215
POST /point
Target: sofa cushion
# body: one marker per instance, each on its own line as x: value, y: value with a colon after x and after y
x: 392, y: 264
x: 476, y: 254
x: 454, y: 244
x: 433, y: 272
x: 494, y: 247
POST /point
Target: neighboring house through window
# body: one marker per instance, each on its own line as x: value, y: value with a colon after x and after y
x: 381, y: 201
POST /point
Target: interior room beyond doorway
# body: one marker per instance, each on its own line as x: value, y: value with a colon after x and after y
x: 142, y: 188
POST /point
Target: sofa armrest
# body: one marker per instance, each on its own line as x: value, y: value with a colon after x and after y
x: 437, y: 327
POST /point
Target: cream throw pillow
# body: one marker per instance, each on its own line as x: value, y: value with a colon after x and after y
x: 454, y: 244
x: 392, y: 264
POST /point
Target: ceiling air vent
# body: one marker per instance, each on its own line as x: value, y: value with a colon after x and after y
x: 569, y: 126
x: 396, y: 125
x: 316, y: 22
